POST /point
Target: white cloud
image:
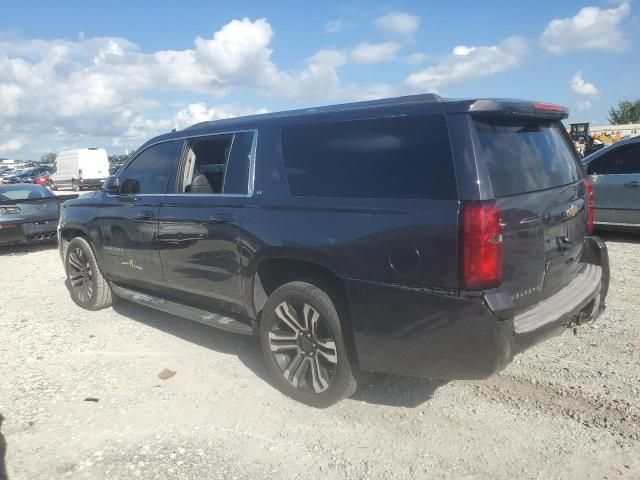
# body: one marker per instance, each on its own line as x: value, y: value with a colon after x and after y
x: 333, y: 26
x: 398, y: 23
x: 329, y: 57
x: 368, y: 53
x: 463, y: 50
x: 61, y: 91
x: 579, y: 86
x: 417, y: 58
x: 11, y: 146
x: 584, y: 105
x: 467, y: 63
x: 103, y: 77
x: 199, y: 112
x: 592, y: 28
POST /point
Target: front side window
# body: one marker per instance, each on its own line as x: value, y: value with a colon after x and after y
x: 148, y: 173
x: 620, y: 161
x: 217, y: 164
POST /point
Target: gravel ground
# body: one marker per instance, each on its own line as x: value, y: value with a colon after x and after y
x: 92, y: 395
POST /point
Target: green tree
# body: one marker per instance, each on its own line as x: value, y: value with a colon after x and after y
x: 48, y: 157
x: 625, y: 112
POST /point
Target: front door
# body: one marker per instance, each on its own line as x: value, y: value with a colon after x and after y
x: 200, y: 224
x: 128, y: 221
x: 616, y: 184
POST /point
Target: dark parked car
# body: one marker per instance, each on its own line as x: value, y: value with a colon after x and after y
x: 615, y: 173
x: 37, y: 175
x: 28, y: 214
x: 416, y: 236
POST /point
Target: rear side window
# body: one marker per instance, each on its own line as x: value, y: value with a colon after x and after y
x: 396, y: 157
x: 217, y: 164
x: 525, y: 156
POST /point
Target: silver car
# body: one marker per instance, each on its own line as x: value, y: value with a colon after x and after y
x: 615, y: 174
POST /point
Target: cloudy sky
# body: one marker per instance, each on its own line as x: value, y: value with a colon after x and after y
x: 75, y: 74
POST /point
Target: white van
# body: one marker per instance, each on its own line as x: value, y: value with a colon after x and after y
x: 80, y: 168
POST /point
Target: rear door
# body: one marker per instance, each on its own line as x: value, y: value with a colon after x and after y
x: 616, y: 183
x: 538, y: 185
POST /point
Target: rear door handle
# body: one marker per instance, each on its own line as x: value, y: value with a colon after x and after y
x: 632, y: 184
x: 145, y: 215
x: 221, y: 218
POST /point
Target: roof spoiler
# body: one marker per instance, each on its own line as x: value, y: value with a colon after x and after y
x: 516, y: 108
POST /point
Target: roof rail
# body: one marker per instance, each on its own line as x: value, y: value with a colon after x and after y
x: 419, y: 98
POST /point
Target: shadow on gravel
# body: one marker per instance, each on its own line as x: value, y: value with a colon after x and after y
x: 3, y: 451
x: 24, y: 249
x: 619, y: 237
x: 377, y: 388
x: 247, y: 348
x: 396, y: 391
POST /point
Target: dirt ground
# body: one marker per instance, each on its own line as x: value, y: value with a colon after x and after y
x: 82, y: 397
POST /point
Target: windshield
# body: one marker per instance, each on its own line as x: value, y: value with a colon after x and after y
x: 525, y: 156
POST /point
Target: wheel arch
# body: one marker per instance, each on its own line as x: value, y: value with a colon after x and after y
x: 275, y: 270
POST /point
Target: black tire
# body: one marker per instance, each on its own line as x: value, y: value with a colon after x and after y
x: 75, y: 186
x: 321, y: 383
x: 88, y: 287
x: 52, y: 185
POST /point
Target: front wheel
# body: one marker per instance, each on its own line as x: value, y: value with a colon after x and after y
x: 75, y: 186
x: 303, y: 345
x: 88, y: 287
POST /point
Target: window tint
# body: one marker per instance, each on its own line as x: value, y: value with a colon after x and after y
x: 217, y: 164
x: 525, y: 156
x: 399, y: 157
x: 148, y: 172
x: 619, y: 161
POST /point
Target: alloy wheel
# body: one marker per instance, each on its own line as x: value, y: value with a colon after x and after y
x: 80, y: 275
x: 303, y: 347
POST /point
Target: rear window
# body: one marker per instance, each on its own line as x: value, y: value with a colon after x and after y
x: 396, y: 157
x: 20, y: 192
x: 526, y: 156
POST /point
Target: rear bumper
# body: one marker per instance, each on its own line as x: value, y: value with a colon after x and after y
x: 92, y: 182
x: 411, y: 331
x: 33, y: 232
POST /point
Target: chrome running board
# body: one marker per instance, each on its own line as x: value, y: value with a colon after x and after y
x: 185, y: 311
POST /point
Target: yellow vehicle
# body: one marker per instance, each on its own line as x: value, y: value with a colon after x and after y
x: 585, y: 142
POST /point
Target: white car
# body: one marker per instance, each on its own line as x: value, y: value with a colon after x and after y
x: 80, y: 168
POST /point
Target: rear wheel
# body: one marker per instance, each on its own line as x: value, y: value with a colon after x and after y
x: 75, y: 186
x: 52, y: 185
x: 303, y: 345
x: 88, y: 287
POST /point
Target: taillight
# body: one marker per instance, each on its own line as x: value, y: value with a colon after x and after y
x: 80, y: 173
x: 549, y: 107
x: 481, y: 246
x: 588, y: 185
x: 9, y: 210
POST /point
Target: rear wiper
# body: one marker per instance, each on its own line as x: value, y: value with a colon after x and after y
x: 531, y: 128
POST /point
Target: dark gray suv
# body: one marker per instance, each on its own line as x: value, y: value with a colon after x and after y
x: 414, y: 235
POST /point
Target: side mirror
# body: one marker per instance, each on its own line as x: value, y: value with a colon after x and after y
x: 111, y: 184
